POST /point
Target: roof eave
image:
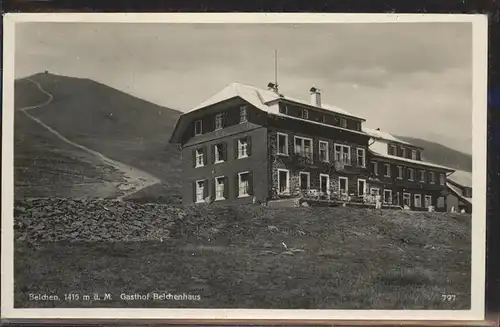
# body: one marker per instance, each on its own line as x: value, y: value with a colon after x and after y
x: 314, y: 107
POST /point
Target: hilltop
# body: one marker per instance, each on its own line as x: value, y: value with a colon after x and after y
x: 118, y: 125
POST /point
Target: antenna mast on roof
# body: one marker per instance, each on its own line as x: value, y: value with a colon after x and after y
x: 276, y: 69
x: 274, y: 86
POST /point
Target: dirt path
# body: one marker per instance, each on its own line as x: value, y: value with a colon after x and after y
x: 136, y: 179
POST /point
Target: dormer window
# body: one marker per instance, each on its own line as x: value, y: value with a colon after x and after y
x: 305, y: 114
x: 343, y: 122
x: 392, y: 150
x: 414, y: 154
x: 323, y: 119
x: 243, y: 114
x: 403, y: 152
x: 198, y: 127
x: 283, y: 109
x: 219, y: 121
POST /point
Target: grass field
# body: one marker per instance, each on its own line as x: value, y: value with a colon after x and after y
x: 235, y: 257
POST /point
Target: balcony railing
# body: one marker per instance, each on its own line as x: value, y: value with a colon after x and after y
x: 314, y: 194
x: 339, y: 163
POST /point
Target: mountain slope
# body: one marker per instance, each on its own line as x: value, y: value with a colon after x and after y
x: 119, y: 126
x: 45, y: 166
x: 441, y: 155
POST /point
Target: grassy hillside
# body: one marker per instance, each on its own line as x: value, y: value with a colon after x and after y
x: 118, y: 125
x: 44, y: 165
x: 234, y: 256
x: 441, y: 155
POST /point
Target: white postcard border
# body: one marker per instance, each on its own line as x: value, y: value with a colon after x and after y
x: 479, y: 119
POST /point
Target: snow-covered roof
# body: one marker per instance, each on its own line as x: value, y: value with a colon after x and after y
x: 259, y: 98
x: 458, y: 192
x: 462, y: 178
x: 384, y: 136
x: 417, y: 162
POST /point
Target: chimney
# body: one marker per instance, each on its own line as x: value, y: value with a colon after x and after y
x: 315, y: 97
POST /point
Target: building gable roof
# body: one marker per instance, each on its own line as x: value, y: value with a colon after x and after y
x: 378, y: 134
x: 261, y: 99
x: 416, y: 162
x: 462, y: 178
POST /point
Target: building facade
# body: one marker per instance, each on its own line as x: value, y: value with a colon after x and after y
x: 459, y: 185
x: 248, y: 145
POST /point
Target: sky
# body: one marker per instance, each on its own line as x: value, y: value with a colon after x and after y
x: 410, y: 79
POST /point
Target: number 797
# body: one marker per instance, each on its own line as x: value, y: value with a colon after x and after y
x: 448, y: 297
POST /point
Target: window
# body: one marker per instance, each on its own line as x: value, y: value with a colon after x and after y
x: 323, y: 151
x: 343, y: 154
x: 358, y: 126
x: 283, y: 144
x: 414, y: 154
x: 387, y: 170
x: 422, y: 176
x: 387, y: 196
x: 219, y: 121
x: 303, y: 147
x: 199, y: 158
x: 219, y: 153
x: 418, y: 155
x: 198, y: 130
x: 442, y: 179
x: 243, y: 114
x: 361, y: 187
x: 343, y: 122
x: 343, y: 185
x: 244, y: 187
x: 283, y: 109
x: 360, y: 157
x: 200, y: 191
x: 220, y: 188
x: 283, y: 181
x: 242, y: 148
x: 418, y: 200
x: 375, y: 167
x: 392, y: 150
x: 400, y: 172
x: 432, y: 177
x: 374, y: 191
x: 406, y: 199
x: 323, y: 119
x: 305, y: 114
x: 305, y: 180
x: 427, y: 201
x: 410, y: 174
x: 324, y: 183
x: 403, y: 152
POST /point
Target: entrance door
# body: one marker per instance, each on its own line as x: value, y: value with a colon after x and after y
x: 324, y: 183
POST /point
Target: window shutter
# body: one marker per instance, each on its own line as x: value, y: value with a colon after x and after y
x: 194, y: 157
x: 224, y: 151
x: 205, y: 188
x: 212, y: 189
x: 226, y: 188
x: 194, y: 191
x: 236, y: 148
x: 250, y: 183
x: 205, y: 155
x: 212, y: 159
x: 237, y: 185
x: 249, y: 145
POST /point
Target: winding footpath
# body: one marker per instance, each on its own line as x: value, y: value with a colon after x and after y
x: 136, y: 179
